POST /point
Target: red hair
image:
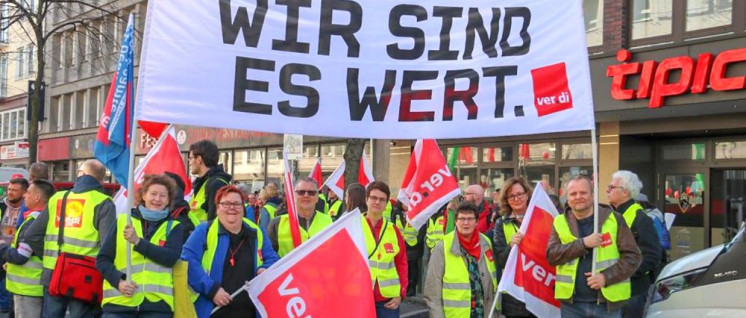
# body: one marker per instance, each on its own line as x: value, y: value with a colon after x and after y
x: 229, y: 189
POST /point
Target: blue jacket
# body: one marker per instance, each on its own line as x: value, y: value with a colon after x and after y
x: 205, y: 284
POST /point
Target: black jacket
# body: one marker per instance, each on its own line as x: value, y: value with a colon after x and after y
x: 180, y: 212
x: 215, y: 175
x: 647, y: 240
x: 165, y: 255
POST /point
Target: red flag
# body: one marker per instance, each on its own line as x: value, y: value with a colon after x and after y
x: 336, y: 181
x: 428, y: 182
x: 313, y: 281
x: 528, y: 275
x: 316, y: 173
x: 290, y: 197
x: 152, y: 128
x: 164, y: 157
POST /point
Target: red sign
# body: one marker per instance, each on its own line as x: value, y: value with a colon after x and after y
x: 695, y: 76
x: 53, y: 149
x: 551, y: 92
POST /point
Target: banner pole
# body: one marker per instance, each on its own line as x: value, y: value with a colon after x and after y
x: 594, y: 146
x: 131, y: 167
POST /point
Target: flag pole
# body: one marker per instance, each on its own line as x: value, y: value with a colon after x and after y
x: 594, y: 147
x: 131, y: 170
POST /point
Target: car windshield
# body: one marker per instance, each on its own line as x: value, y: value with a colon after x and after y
x: 739, y: 238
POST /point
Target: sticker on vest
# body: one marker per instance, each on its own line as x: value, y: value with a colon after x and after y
x: 162, y: 243
x: 441, y: 221
x: 193, y: 205
x: 488, y: 253
x: 73, y: 213
x: 389, y: 247
x: 259, y: 255
x: 605, y: 239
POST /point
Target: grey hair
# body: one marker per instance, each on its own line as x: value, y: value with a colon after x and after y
x: 245, y: 188
x: 629, y: 181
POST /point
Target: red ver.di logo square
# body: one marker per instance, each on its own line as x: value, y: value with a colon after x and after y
x: 551, y: 92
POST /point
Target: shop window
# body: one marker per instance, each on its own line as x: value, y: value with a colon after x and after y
x: 463, y: 162
x: 226, y: 158
x: 248, y: 167
x: 497, y: 154
x: 61, y: 170
x: 492, y: 180
x: 651, y: 18
x: 536, y: 164
x: 275, y: 166
x: 730, y: 150
x: 567, y: 173
x: 577, y: 151
x: 705, y: 14
x: 306, y: 163
x: 694, y: 151
x: 594, y: 22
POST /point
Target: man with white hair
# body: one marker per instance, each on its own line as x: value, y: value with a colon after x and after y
x: 624, y: 187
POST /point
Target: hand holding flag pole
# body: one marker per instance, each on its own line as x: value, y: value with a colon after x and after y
x: 233, y: 296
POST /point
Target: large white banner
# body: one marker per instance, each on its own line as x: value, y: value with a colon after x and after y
x: 367, y: 68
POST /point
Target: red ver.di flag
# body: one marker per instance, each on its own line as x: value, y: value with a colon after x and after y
x: 314, y: 281
x: 528, y: 276
x: 428, y: 183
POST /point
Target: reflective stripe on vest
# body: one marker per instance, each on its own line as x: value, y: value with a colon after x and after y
x: 409, y: 233
x: 195, y: 205
x: 25, y: 280
x: 212, y: 246
x: 285, y: 238
x: 607, y: 256
x: 435, y: 231
x: 382, y: 267
x: 80, y: 236
x: 154, y: 282
x: 334, y: 208
x: 456, y: 291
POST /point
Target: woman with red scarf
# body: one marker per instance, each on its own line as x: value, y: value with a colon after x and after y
x: 461, y: 277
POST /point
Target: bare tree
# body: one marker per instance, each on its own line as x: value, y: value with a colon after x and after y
x: 353, y: 155
x: 34, y: 21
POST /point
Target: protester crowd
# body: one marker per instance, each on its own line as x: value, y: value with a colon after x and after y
x: 75, y: 261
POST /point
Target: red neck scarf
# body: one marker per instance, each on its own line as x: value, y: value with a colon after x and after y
x: 471, y: 244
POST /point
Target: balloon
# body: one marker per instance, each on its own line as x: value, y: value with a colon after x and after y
x: 688, y: 190
x: 668, y: 192
x: 676, y: 194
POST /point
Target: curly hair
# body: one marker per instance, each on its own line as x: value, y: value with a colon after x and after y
x: 152, y: 179
x: 505, y: 208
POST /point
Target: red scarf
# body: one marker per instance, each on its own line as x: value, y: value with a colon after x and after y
x: 471, y: 244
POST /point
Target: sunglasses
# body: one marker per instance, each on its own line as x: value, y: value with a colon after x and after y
x: 306, y: 192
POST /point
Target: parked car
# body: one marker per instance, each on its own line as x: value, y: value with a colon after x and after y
x: 709, y: 283
x: 7, y: 173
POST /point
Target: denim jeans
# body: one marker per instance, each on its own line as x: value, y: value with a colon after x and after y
x: 587, y: 310
x: 383, y: 312
x: 55, y: 307
x: 5, y: 301
x: 635, y: 306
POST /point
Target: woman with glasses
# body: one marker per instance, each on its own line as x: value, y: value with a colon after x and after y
x: 223, y: 255
x: 387, y: 253
x: 156, y: 240
x: 513, y: 200
x: 461, y: 276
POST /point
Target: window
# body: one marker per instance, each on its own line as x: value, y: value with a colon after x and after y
x: 651, y: 18
x: 730, y: 150
x: 693, y: 151
x: 4, y: 23
x: 248, y: 166
x: 705, y: 14
x: 577, y: 151
x: 30, y: 59
x: 537, y: 162
x: 594, y: 22
x: 3, y: 75
x: 21, y: 64
x: 13, y: 123
x: 497, y: 154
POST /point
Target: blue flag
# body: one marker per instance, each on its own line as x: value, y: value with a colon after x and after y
x: 112, y: 146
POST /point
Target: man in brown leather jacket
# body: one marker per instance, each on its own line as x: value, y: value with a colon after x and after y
x: 587, y: 297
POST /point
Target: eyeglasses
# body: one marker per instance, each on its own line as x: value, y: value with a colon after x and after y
x: 467, y: 193
x: 612, y: 187
x: 231, y: 205
x: 465, y: 220
x: 376, y: 199
x: 517, y: 196
x: 306, y: 192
